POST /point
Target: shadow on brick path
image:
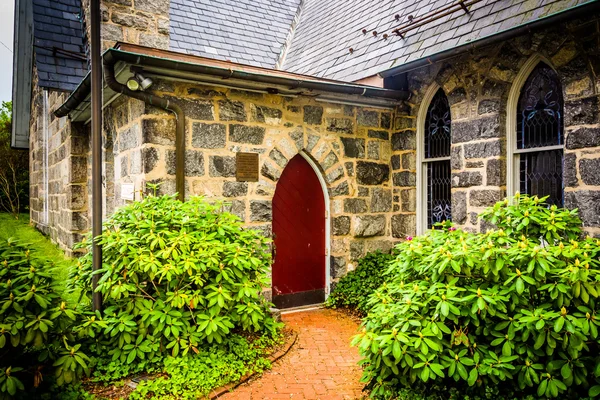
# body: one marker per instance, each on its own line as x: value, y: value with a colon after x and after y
x: 321, y: 365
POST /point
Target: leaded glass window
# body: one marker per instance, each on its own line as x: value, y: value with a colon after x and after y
x: 438, y: 126
x: 540, y: 135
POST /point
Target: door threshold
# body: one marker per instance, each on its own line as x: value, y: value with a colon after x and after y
x: 308, y: 307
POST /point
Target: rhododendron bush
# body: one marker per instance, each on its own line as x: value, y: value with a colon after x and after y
x: 513, y: 308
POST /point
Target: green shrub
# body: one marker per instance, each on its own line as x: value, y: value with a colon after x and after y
x: 354, y: 288
x: 21, y: 231
x: 513, y: 308
x: 195, y: 376
x: 437, y: 392
x: 176, y: 276
x: 37, y: 327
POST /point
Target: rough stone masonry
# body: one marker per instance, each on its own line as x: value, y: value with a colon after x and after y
x: 477, y: 85
x: 351, y: 145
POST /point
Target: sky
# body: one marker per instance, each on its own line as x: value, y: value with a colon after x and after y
x: 6, y: 39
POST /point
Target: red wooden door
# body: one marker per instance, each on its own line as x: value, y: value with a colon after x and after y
x: 299, y: 237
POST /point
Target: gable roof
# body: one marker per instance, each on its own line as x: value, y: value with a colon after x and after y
x: 328, y: 29
x: 58, y: 43
x: 250, y: 32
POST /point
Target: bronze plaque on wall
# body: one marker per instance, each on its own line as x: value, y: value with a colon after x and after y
x: 246, y: 167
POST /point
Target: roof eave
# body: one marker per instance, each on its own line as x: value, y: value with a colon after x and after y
x: 182, y: 66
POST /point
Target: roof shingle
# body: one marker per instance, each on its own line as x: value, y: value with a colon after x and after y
x: 327, y: 29
x: 243, y: 31
x: 58, y: 33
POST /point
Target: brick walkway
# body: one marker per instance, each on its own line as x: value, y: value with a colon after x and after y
x: 321, y: 365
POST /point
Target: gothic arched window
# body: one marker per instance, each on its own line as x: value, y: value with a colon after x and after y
x: 436, y: 157
x: 540, y: 135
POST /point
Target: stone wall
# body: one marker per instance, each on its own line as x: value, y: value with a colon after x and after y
x: 477, y: 85
x: 123, y: 147
x: 404, y: 145
x: 351, y: 145
x: 37, y: 189
x: 144, y: 22
x: 66, y: 190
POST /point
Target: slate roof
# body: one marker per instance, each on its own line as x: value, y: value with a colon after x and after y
x: 328, y: 28
x: 250, y: 32
x: 57, y: 32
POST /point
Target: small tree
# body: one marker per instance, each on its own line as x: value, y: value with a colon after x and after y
x: 14, y: 168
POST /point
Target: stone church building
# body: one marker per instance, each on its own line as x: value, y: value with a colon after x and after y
x: 336, y: 127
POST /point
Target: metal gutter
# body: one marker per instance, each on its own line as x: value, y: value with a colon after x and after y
x: 494, y: 38
x: 77, y: 97
x: 231, y: 73
x: 296, y: 82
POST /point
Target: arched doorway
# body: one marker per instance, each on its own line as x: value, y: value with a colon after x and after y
x: 299, y: 234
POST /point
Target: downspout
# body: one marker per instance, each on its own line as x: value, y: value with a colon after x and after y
x: 148, y: 98
x: 96, y: 97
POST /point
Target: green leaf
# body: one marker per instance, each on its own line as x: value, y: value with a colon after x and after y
x: 541, y: 391
x: 396, y: 351
x: 462, y: 371
x: 11, y: 385
x: 565, y: 371
x: 131, y: 356
x: 431, y: 344
x: 539, y: 341
x: 473, y: 375
x: 445, y: 309
x: 425, y: 374
x: 540, y: 324
x: 552, y: 388
x: 594, y: 391
x: 438, y: 369
x: 520, y: 285
x: 481, y: 303
x: 558, y: 324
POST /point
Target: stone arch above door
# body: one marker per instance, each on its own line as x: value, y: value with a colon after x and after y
x: 320, y: 149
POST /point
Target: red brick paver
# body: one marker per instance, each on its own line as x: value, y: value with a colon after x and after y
x: 321, y: 365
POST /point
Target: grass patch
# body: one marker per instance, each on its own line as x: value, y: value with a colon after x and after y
x: 25, y: 233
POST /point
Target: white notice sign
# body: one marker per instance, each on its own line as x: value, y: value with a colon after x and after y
x: 127, y: 191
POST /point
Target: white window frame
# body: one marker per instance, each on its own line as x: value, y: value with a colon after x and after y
x: 422, y: 162
x: 513, y: 155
